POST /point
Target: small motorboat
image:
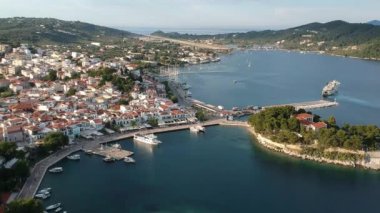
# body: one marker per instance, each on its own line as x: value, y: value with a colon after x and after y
x: 58, y: 209
x: 54, y: 206
x: 74, y: 157
x: 56, y: 170
x: 42, y: 196
x: 129, y: 160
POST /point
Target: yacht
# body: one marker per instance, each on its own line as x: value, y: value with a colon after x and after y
x: 56, y: 170
x: 54, y: 206
x: 149, y: 139
x: 331, y: 88
x: 129, y: 160
x: 74, y: 157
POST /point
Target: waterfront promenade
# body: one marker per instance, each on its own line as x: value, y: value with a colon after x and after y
x: 37, y: 173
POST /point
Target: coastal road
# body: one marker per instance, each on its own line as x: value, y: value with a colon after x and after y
x: 37, y: 173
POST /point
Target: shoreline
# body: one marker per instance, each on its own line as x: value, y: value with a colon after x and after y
x: 293, y: 151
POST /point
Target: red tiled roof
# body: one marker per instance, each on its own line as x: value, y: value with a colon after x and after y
x: 304, y: 116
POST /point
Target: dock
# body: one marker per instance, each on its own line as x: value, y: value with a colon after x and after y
x: 109, y: 151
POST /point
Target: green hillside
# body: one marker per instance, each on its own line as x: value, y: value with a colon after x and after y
x: 52, y: 31
x: 337, y: 37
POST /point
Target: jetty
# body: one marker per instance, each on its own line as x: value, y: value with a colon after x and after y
x: 309, y: 105
x: 109, y: 151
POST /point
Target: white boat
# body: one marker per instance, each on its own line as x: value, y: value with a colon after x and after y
x: 56, y: 170
x: 148, y: 139
x: 331, y: 88
x: 54, y: 206
x: 58, y: 209
x: 116, y: 145
x: 44, y: 190
x: 42, y: 196
x: 74, y: 157
x: 129, y: 160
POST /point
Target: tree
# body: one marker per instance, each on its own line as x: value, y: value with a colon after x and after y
x: 294, y: 124
x: 153, y: 122
x: 71, y: 92
x: 123, y: 102
x: 52, y: 76
x: 25, y: 206
x: 55, y: 140
x: 200, y: 115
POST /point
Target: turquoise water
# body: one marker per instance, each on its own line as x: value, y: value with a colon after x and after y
x: 224, y: 170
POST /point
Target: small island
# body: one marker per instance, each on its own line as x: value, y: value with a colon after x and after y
x: 304, y: 135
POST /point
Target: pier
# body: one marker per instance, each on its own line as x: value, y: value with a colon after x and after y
x: 109, y: 151
x: 310, y: 105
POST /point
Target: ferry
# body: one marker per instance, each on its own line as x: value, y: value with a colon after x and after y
x: 56, y: 170
x: 54, y: 206
x: 331, y: 88
x: 149, y: 139
x: 129, y: 160
x: 74, y: 157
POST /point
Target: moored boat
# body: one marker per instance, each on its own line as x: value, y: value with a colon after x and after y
x: 54, y: 206
x: 56, y: 170
x: 42, y: 196
x: 58, y: 209
x: 129, y: 160
x: 194, y: 129
x: 74, y: 157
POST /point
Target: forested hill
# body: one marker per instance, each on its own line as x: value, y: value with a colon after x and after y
x: 339, y: 37
x: 53, y: 31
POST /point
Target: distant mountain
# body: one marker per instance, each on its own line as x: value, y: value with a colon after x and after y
x: 374, y: 22
x: 338, y: 37
x: 52, y: 31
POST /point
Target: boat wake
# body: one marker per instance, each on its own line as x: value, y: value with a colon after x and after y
x: 357, y: 101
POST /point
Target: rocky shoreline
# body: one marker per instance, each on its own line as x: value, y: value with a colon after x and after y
x: 371, y: 161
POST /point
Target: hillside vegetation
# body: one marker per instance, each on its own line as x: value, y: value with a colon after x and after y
x: 54, y: 31
x: 338, y: 37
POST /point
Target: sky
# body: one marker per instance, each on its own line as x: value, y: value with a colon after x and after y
x: 206, y: 14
